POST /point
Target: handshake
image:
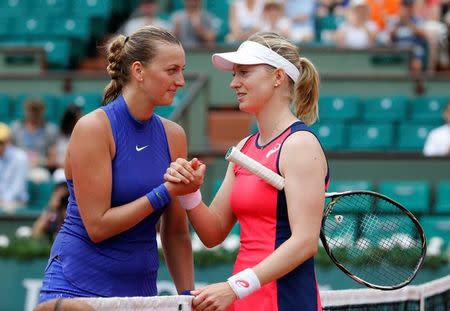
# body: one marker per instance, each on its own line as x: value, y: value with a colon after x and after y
x: 183, y: 179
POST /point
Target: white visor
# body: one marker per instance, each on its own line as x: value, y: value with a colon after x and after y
x: 253, y: 53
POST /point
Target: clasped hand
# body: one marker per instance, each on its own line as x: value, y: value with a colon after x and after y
x: 186, y: 176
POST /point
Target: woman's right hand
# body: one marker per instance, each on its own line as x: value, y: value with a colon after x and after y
x: 183, y: 177
x: 182, y: 170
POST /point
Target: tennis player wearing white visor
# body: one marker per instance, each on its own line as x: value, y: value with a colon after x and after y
x: 274, y: 269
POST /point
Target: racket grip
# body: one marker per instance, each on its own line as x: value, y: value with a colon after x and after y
x: 272, y: 178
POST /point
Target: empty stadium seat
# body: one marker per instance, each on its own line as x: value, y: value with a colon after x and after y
x: 414, y: 195
x: 385, y: 108
x: 30, y: 26
x: 339, y: 108
x: 386, y: 226
x: 87, y: 101
x: 436, y: 226
x: 442, y: 197
x: 331, y: 135
x: 346, y: 185
x: 4, y: 109
x: 371, y: 137
x: 58, y: 51
x: 39, y: 193
x: 78, y: 28
x: 412, y: 136
x: 428, y: 108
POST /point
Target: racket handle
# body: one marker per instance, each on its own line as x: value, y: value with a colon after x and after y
x: 272, y: 178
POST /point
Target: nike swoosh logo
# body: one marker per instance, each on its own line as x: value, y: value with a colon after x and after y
x: 140, y: 148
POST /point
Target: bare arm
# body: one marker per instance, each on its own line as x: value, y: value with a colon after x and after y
x: 175, y: 236
x: 213, y: 224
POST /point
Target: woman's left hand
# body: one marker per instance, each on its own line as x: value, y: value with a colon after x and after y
x: 214, y: 297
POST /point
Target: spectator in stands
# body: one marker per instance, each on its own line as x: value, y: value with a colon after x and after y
x: 35, y: 135
x: 52, y: 217
x: 436, y: 32
x: 194, y: 26
x: 302, y: 15
x: 13, y: 173
x: 330, y: 7
x: 358, y: 31
x: 244, y: 19
x: 145, y: 14
x: 407, y: 31
x: 438, y: 140
x: 381, y: 11
x: 274, y: 20
x: 57, y: 152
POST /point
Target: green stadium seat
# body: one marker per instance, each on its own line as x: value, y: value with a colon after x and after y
x: 331, y: 135
x: 78, y: 29
x: 39, y: 193
x: 442, y: 197
x: 414, y: 195
x: 87, y: 101
x: 371, y: 137
x: 339, y: 108
x: 412, y: 136
x: 428, y: 108
x: 385, y: 108
x: 31, y: 27
x: 388, y: 225
x: 58, y: 51
x: 92, y: 8
x: 4, y: 109
x: 220, y: 9
x: 164, y: 111
x: 325, y: 26
x: 346, y: 185
x: 5, y: 24
x: 50, y: 8
x: 16, y: 8
x: 436, y: 226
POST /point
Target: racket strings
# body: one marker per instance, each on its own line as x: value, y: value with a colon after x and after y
x: 375, y: 238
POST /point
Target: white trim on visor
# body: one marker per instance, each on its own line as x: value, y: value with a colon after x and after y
x: 253, y: 53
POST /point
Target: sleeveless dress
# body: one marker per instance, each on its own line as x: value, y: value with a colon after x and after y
x: 262, y: 214
x: 125, y: 264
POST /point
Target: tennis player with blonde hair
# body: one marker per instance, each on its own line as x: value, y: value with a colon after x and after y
x: 274, y: 269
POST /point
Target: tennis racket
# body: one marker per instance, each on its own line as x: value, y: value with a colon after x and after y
x: 370, y: 237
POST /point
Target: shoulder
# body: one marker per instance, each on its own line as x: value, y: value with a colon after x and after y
x: 243, y: 142
x: 303, y: 146
x: 173, y: 129
x: 94, y: 124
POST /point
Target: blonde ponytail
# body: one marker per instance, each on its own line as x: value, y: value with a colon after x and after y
x: 306, y: 92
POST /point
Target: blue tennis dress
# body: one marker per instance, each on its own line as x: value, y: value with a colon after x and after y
x: 126, y: 264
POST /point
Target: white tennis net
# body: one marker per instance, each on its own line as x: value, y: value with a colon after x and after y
x: 159, y: 303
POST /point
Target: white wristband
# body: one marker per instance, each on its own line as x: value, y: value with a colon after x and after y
x: 191, y: 200
x: 244, y: 283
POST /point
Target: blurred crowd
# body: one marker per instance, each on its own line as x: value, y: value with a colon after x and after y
x: 33, y: 149
x: 420, y: 26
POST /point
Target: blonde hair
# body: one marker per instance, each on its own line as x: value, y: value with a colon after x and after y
x: 306, y: 89
x: 122, y: 51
